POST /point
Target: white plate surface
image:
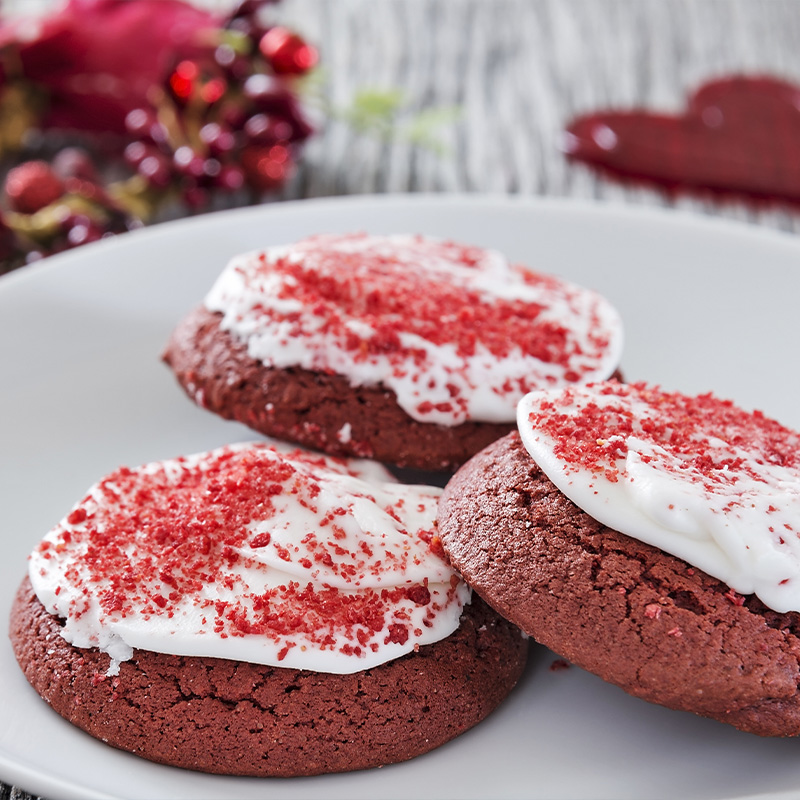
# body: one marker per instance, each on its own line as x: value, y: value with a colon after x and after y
x: 707, y: 305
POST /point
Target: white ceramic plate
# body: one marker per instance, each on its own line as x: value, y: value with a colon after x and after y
x: 707, y: 305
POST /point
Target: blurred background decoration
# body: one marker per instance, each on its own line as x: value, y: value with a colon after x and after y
x: 152, y: 109
x: 736, y: 138
x: 111, y: 112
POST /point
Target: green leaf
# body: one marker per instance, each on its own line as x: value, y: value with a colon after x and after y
x: 423, y: 129
x: 387, y: 113
x: 374, y: 110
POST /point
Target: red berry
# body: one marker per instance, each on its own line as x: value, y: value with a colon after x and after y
x: 260, y: 88
x: 287, y: 53
x: 230, y: 178
x: 236, y: 66
x: 266, y: 129
x: 212, y: 168
x: 213, y: 90
x: 187, y: 162
x: 32, y: 186
x: 266, y: 168
x: 139, y: 121
x: 219, y: 140
x: 155, y: 169
x: 183, y: 80
x: 82, y: 230
x: 269, y: 95
x: 74, y: 162
x: 135, y: 153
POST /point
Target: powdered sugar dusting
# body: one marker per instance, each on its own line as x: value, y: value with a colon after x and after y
x: 455, y: 331
x: 696, y: 476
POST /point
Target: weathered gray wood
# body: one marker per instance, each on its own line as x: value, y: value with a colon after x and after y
x: 520, y: 70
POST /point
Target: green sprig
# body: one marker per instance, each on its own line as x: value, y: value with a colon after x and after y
x: 388, y: 113
x: 385, y: 113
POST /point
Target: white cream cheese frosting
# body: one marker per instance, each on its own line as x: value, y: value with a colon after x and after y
x: 253, y: 553
x: 455, y: 331
x: 697, y: 477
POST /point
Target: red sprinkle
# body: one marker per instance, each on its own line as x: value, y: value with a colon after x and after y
x: 77, y: 516
x: 734, y: 597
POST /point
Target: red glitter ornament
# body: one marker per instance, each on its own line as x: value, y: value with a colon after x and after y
x: 287, y: 52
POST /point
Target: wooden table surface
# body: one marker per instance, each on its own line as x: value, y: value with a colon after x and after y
x: 503, y: 77
x: 518, y: 71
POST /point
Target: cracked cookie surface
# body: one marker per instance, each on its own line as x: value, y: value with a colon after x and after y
x: 628, y: 612
x: 227, y: 717
x: 318, y: 410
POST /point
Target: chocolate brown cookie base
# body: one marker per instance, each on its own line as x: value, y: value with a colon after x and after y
x: 317, y: 410
x: 234, y: 718
x: 628, y: 612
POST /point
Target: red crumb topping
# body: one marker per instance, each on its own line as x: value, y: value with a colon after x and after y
x: 652, y: 611
x: 375, y: 285
x: 77, y: 516
x: 701, y: 438
x: 146, y: 540
x: 734, y: 597
x: 398, y: 634
x: 419, y: 594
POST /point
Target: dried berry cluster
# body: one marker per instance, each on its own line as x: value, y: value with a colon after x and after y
x: 212, y: 110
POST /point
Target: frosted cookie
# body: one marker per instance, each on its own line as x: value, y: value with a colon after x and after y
x: 648, y: 537
x: 403, y: 349
x: 255, y: 611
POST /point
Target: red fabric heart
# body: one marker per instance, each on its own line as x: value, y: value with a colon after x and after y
x: 739, y: 135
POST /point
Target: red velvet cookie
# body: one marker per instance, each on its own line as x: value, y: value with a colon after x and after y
x: 259, y: 610
x: 236, y: 718
x: 313, y: 408
x: 639, y: 617
x: 403, y: 349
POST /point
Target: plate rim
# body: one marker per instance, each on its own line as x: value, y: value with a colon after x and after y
x: 666, y: 215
